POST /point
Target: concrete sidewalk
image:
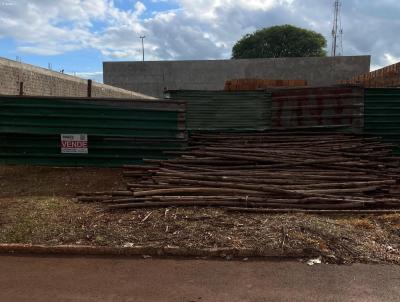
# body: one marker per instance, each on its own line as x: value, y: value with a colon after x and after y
x: 120, y: 279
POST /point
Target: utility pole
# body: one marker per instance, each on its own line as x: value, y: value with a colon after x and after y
x: 337, y: 30
x: 142, y: 37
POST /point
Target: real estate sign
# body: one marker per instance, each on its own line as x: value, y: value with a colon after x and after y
x: 74, y: 143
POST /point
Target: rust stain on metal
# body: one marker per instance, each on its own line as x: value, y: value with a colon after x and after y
x: 317, y: 107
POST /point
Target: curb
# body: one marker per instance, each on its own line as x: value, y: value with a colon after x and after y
x: 32, y: 249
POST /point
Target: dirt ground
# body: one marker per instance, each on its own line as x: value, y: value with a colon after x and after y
x: 38, y: 205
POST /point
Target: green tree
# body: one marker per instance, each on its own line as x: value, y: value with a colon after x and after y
x: 280, y: 41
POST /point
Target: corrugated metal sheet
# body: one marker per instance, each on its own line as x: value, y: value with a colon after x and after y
x: 318, y: 107
x: 225, y: 110
x: 119, y: 131
x: 382, y: 114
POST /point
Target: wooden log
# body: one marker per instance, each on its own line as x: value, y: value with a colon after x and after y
x: 259, y: 188
x: 282, y: 176
x: 121, y: 193
x: 270, y: 181
x: 195, y: 199
x: 339, y: 191
x: 139, y: 167
x: 239, y: 157
x: 244, y: 200
x: 203, y: 203
x: 184, y: 167
x: 215, y: 161
x: 198, y: 190
x: 215, y: 197
x: 283, y: 182
x: 310, y: 211
x: 270, y: 169
x: 126, y: 200
x: 220, y: 203
x: 343, y: 185
x: 138, y: 187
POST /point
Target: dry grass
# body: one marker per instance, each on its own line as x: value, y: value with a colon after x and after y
x: 37, y: 206
x: 361, y: 223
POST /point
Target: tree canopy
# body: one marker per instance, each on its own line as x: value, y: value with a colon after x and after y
x: 280, y: 41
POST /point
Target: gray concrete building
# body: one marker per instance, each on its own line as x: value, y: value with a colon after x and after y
x: 152, y: 78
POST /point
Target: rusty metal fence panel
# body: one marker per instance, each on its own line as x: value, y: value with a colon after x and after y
x: 322, y: 107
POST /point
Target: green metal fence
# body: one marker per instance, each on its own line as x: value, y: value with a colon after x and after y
x: 225, y: 110
x: 126, y: 131
x: 118, y: 131
x: 382, y: 114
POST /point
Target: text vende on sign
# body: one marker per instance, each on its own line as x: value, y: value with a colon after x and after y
x: 74, y: 143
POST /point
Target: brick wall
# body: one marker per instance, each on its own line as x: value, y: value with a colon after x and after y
x: 42, y: 82
x: 388, y: 76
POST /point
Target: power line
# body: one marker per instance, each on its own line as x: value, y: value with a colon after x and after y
x: 337, y: 30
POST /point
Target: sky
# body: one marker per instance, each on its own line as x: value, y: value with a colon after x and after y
x: 78, y: 35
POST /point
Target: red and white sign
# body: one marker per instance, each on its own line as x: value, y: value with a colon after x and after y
x: 74, y: 143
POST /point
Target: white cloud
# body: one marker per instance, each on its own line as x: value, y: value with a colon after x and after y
x: 388, y: 59
x: 140, y: 8
x: 198, y: 29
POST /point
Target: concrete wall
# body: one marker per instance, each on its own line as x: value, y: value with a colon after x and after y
x: 42, y: 82
x: 152, y: 77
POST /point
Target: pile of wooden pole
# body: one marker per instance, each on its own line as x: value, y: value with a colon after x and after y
x: 266, y: 172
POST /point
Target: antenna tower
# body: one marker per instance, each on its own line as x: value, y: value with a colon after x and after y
x: 337, y: 30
